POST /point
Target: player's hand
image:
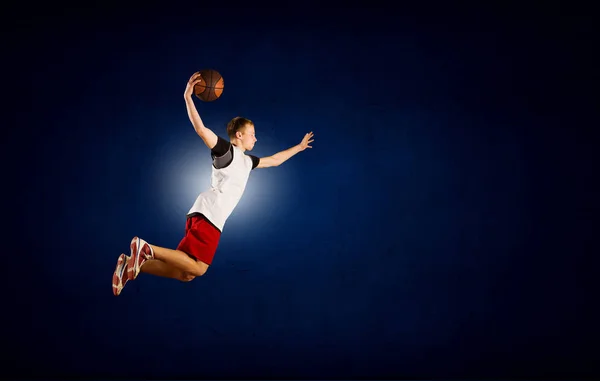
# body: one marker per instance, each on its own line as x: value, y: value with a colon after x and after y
x: 304, y: 144
x: 194, y: 80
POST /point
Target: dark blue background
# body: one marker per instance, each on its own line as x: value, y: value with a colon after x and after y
x: 440, y: 227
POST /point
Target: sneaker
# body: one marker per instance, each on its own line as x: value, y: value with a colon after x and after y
x: 120, y: 276
x: 140, y: 253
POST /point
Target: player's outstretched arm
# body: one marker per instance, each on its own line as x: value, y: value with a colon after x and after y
x: 209, y: 137
x: 280, y: 157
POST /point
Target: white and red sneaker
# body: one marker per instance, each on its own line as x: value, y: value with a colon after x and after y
x: 140, y: 253
x: 121, y: 275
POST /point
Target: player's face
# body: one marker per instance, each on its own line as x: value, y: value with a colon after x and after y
x: 248, y: 137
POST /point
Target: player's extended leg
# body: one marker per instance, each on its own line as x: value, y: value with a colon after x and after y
x: 141, y: 252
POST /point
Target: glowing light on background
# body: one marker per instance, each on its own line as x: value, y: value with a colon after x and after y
x: 182, y: 169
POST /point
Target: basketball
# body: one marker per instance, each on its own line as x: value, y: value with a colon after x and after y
x: 210, y: 87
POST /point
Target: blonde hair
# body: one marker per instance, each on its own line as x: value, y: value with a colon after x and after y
x: 236, y: 124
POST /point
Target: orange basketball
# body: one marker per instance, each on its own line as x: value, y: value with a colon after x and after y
x: 210, y: 87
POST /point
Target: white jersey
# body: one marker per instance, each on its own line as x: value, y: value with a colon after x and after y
x: 230, y: 171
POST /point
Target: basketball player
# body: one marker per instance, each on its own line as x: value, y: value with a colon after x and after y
x: 231, y: 167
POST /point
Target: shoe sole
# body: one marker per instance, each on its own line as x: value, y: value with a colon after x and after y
x: 117, y: 280
x: 134, y: 269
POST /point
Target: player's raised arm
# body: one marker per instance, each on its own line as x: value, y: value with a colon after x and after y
x: 209, y: 137
x: 280, y: 157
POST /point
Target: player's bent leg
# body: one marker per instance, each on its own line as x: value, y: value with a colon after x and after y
x: 142, y: 252
x: 159, y: 268
x: 179, y: 260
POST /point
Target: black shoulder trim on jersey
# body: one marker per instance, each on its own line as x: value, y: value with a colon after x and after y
x: 255, y: 161
x: 221, y: 162
x: 220, y: 148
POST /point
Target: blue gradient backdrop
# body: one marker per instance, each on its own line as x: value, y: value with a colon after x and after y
x: 440, y: 227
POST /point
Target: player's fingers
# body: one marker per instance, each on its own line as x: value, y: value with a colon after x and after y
x: 194, y: 82
x: 310, y: 141
x: 194, y: 75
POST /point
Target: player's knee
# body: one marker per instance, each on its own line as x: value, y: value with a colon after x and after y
x: 186, y: 277
x: 200, y: 269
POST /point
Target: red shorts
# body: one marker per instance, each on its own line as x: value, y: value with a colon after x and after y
x: 201, y: 239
